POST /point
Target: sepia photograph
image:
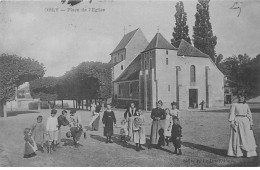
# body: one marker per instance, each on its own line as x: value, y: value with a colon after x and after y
x: 129, y: 83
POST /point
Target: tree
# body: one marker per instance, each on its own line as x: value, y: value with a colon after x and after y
x: 244, y: 71
x: 203, y: 37
x: 181, y: 29
x: 45, y: 89
x: 14, y: 71
x: 218, y: 59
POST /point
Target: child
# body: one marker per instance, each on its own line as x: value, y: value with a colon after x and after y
x: 108, y: 119
x: 38, y: 130
x: 174, y: 111
x: 139, y: 130
x: 76, y: 128
x: 52, y: 130
x: 30, y: 145
x: 176, y: 135
x: 62, y: 121
x: 123, y: 130
x: 168, y: 126
x: 161, y: 140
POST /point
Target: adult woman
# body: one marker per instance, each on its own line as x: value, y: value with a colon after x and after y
x: 158, y: 114
x: 128, y: 115
x: 242, y: 141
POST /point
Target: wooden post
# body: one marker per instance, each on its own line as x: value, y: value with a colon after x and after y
x: 39, y: 105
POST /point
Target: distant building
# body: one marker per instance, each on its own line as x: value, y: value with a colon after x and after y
x: 161, y: 71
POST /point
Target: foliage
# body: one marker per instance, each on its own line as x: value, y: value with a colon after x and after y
x: 45, y: 88
x: 181, y: 29
x: 203, y: 37
x: 89, y: 80
x: 244, y: 71
x: 14, y: 71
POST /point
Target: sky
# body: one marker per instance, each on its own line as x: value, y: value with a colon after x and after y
x: 63, y: 39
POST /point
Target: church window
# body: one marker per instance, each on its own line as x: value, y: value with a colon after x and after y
x: 167, y: 52
x: 192, y: 74
x: 167, y: 61
x: 122, y: 67
x: 151, y: 64
x: 122, y: 57
x: 130, y: 88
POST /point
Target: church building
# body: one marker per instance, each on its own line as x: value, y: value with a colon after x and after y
x: 158, y: 70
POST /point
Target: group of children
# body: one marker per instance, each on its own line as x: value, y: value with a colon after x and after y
x: 39, y: 135
x: 171, y: 132
x: 36, y: 136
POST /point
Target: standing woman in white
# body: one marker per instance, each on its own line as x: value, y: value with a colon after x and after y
x: 242, y: 141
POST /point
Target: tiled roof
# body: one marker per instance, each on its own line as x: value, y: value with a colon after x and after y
x: 177, y: 43
x: 186, y: 49
x: 132, y: 71
x: 159, y: 42
x: 125, y: 40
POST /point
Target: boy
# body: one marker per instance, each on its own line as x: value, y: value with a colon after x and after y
x: 52, y: 130
x: 62, y: 121
x: 176, y: 135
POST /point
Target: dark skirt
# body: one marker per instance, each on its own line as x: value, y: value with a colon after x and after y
x: 176, y: 142
x: 108, y: 129
x: 95, y: 124
x: 156, y: 126
x: 28, y: 151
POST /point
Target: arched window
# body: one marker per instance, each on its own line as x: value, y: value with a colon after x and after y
x: 192, y: 74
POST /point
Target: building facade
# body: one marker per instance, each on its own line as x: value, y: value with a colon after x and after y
x: 179, y: 73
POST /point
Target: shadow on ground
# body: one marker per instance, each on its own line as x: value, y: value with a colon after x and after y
x: 221, y: 152
x: 15, y: 113
x: 253, y: 110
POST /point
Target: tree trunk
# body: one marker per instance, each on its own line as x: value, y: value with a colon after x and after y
x: 39, y: 105
x: 73, y: 104
x: 54, y: 103
x: 76, y: 104
x: 62, y: 104
x: 2, y: 108
x: 49, y: 104
x: 82, y: 106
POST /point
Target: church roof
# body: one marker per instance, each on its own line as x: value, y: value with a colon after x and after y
x: 186, y: 49
x: 132, y: 71
x: 159, y: 42
x: 125, y: 40
x: 177, y: 43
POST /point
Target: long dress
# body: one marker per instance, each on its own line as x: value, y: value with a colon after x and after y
x: 242, y: 138
x: 128, y: 115
x: 108, y: 119
x: 38, y: 131
x: 29, y: 146
x: 95, y: 124
x: 168, y: 126
x: 157, y: 124
x: 139, y: 131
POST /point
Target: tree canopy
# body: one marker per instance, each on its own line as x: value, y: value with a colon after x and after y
x: 203, y: 37
x: 14, y: 71
x: 181, y: 29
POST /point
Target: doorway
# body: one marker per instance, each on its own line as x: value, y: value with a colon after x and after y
x: 193, y: 98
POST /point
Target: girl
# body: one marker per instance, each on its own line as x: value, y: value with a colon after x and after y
x: 38, y: 130
x: 123, y: 130
x: 30, y: 145
x: 108, y: 119
x: 168, y: 126
x: 174, y: 111
x: 139, y: 130
x: 128, y: 115
x: 52, y: 129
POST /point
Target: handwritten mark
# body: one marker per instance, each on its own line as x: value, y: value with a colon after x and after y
x: 242, y: 4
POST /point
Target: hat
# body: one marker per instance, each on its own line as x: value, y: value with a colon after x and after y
x: 64, y: 111
x: 173, y: 103
x: 68, y: 134
x: 53, y: 111
x: 160, y: 102
x: 175, y: 117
